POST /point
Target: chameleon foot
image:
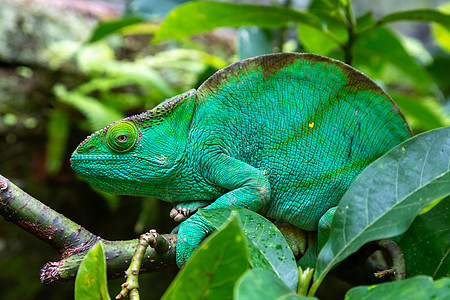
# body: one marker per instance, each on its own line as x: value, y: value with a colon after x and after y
x: 180, y: 214
x: 295, y: 237
x: 184, y: 210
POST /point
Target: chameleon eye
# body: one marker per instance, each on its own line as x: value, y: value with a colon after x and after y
x: 122, y: 136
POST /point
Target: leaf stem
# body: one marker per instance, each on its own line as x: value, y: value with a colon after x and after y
x: 333, y: 37
x: 315, y: 286
x: 351, y: 26
x: 283, y: 29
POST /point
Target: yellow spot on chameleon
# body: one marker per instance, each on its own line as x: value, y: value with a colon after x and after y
x: 311, y: 124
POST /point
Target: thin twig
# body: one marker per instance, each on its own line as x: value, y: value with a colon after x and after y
x: 155, y: 241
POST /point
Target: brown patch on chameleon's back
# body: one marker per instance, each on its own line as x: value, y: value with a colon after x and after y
x: 271, y: 64
x: 358, y: 81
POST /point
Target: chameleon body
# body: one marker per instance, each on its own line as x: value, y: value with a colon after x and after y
x: 283, y: 135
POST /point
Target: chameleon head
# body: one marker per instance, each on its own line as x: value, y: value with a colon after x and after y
x: 112, y: 159
x: 137, y: 155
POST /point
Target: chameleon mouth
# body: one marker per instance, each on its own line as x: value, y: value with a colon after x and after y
x: 98, y: 158
x: 86, y: 163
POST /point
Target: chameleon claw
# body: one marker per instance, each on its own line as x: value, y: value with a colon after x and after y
x: 180, y: 214
x: 177, y: 215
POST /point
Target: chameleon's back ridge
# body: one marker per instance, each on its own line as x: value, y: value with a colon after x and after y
x: 310, y: 123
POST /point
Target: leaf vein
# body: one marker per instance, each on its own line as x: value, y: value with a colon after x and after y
x: 424, y: 162
x: 362, y: 233
x: 440, y: 263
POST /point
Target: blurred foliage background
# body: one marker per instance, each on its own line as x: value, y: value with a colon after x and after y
x: 68, y: 68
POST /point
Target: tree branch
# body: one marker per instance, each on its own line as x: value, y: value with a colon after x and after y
x: 71, y: 240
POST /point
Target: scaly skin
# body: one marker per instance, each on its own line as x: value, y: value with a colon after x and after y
x: 283, y: 135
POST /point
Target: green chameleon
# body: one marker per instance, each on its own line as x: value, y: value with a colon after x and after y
x: 283, y: 135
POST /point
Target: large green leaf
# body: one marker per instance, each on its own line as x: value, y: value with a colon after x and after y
x: 386, y: 197
x: 152, y: 9
x: 331, y: 13
x: 426, y: 244
x: 315, y: 40
x: 416, y: 288
x: 331, y: 10
x: 424, y: 113
x: 263, y: 284
x: 91, y: 283
x: 423, y: 15
x: 333, y: 33
x: 137, y: 73
x: 106, y: 28
x: 214, y: 267
x: 201, y: 16
x: 98, y: 114
x: 379, y: 46
x: 442, y: 33
x: 267, y: 247
x: 97, y: 60
x: 253, y: 41
x: 57, y: 135
x: 439, y: 71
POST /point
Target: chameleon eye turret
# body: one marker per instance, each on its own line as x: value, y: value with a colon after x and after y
x: 122, y: 136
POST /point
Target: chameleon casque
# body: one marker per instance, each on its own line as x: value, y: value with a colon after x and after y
x: 283, y: 135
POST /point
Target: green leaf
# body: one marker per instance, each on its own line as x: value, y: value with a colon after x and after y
x: 263, y: 284
x: 331, y: 13
x: 386, y: 197
x: 97, y: 60
x: 426, y: 244
x: 106, y: 28
x: 422, y: 113
x: 90, y: 282
x: 98, y: 114
x: 330, y: 9
x: 112, y: 201
x: 152, y: 9
x: 253, y: 41
x: 179, y: 58
x: 57, y: 135
x: 214, y: 267
x: 380, y: 46
x: 439, y: 71
x: 201, y: 16
x: 416, y: 288
x: 91, y: 58
x: 422, y: 15
x: 139, y: 73
x: 314, y: 40
x: 442, y: 36
x: 150, y: 213
x: 267, y: 247
x: 442, y: 33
